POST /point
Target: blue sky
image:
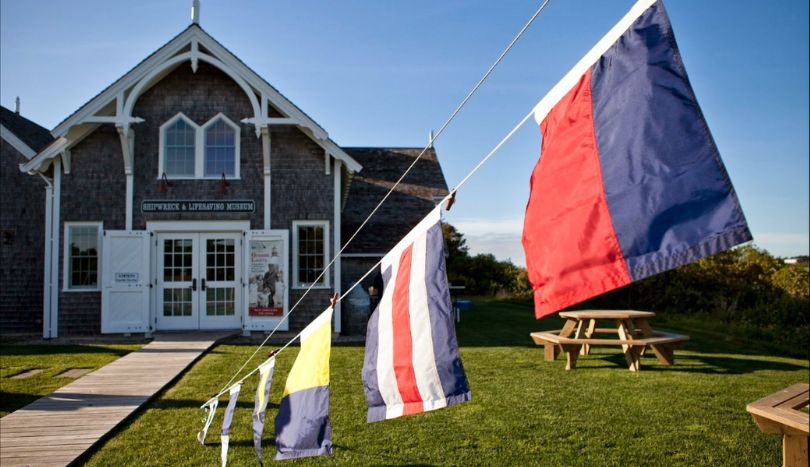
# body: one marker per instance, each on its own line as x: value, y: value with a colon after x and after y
x: 385, y: 73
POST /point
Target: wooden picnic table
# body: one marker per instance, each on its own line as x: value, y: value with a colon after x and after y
x: 634, y: 336
x: 781, y: 413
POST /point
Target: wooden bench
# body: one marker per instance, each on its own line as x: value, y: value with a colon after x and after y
x: 634, y: 336
x: 781, y: 413
x: 661, y: 342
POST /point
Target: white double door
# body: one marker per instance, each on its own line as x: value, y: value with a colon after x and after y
x: 199, y: 281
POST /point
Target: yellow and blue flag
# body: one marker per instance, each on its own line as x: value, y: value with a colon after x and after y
x: 302, y: 423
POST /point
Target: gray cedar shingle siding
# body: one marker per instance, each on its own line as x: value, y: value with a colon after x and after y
x: 406, y: 206
x: 200, y: 96
x: 96, y: 188
x: 301, y: 190
x: 22, y: 217
x: 94, y: 191
x: 22, y: 225
x: 409, y: 203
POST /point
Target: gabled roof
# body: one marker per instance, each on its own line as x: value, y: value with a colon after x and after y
x: 418, y: 193
x: 192, y: 45
x: 33, y: 138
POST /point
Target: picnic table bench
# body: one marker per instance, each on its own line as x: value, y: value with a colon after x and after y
x: 781, y: 413
x: 634, y: 336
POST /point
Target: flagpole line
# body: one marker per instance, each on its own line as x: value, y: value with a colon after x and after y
x: 253, y: 371
x: 393, y: 187
x: 453, y: 191
x: 373, y: 268
x: 489, y: 155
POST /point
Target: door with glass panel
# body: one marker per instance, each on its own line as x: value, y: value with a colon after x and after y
x: 177, y: 281
x: 220, y: 281
x: 198, y: 281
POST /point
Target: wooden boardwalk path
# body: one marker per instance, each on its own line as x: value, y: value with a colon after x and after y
x: 60, y: 427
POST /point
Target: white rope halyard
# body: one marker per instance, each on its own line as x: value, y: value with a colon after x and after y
x: 451, y: 195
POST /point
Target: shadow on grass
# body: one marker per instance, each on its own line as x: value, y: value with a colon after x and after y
x: 689, y: 363
x: 190, y: 403
x: 498, y: 323
x: 724, y: 365
x: 7, y: 350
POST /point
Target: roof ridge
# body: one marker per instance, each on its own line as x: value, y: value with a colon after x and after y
x: 388, y: 147
x: 18, y: 115
x: 34, y: 135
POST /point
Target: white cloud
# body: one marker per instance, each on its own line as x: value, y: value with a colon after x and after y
x: 783, y: 244
x: 499, y: 237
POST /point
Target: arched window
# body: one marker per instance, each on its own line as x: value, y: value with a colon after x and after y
x: 189, y: 151
x: 178, y: 146
x: 221, y: 154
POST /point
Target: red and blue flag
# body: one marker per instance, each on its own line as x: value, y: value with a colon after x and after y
x: 411, y: 361
x: 630, y: 182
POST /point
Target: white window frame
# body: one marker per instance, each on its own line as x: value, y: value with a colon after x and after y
x: 326, y: 254
x: 162, y: 148
x: 201, y: 148
x: 66, y: 257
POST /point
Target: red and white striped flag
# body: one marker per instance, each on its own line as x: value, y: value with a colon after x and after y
x: 411, y: 362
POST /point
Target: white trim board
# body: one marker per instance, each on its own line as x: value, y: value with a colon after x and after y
x: 199, y: 147
x: 16, y: 143
x: 197, y: 226
x: 66, y: 264
x: 294, y: 284
x: 41, y: 161
x: 187, y: 46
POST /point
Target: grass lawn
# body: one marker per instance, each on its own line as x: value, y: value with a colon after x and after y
x: 52, y: 360
x: 524, y: 411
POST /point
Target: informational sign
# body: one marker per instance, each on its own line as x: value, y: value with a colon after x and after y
x: 266, y: 286
x: 238, y: 205
x: 127, y: 277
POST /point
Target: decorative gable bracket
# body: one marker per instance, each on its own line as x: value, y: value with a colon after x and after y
x: 192, y: 45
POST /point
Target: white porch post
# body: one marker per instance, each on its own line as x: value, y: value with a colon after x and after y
x: 48, y: 260
x: 266, y: 147
x: 56, y: 226
x: 126, y: 135
x: 336, y: 243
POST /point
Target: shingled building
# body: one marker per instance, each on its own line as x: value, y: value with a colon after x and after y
x: 191, y: 194
x: 22, y: 224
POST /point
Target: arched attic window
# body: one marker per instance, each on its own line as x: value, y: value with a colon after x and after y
x: 178, y: 147
x: 221, y: 148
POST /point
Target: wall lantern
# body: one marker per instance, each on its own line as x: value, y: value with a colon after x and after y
x: 164, y: 183
x: 223, y: 184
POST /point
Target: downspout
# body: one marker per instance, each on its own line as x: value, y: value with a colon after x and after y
x: 55, y: 229
x: 48, y: 263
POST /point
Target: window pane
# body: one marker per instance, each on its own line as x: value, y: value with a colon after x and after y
x: 83, y: 257
x: 179, y: 149
x: 311, y: 256
x: 220, y: 149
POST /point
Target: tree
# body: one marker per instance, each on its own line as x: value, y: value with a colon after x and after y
x: 482, y: 274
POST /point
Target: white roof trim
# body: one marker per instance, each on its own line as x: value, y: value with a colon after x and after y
x: 16, y: 143
x: 42, y: 160
x: 143, y: 74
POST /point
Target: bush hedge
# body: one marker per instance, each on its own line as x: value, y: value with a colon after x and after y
x: 746, y: 291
